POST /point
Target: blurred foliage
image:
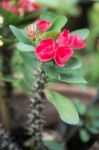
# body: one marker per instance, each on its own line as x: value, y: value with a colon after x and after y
x: 89, y: 120
x: 63, y: 6
x: 91, y: 54
x: 53, y: 145
x: 93, y: 40
x: 91, y: 68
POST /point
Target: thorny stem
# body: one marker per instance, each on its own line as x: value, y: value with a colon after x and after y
x: 36, y: 122
x: 5, y: 141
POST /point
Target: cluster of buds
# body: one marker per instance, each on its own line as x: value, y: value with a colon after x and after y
x: 59, y: 50
x: 35, y: 30
x: 20, y: 7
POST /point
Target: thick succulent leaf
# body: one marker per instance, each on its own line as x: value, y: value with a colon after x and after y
x: 58, y: 23
x: 19, y: 35
x: 50, y: 71
x: 53, y: 71
x: 72, y: 78
x: 84, y: 135
x: 73, y: 63
x: 29, y: 60
x: 82, y: 108
x: 49, y: 34
x: 65, y: 107
x: 24, y: 47
x: 82, y: 32
x: 27, y: 74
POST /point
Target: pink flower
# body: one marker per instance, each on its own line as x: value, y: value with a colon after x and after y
x: 62, y: 55
x: 60, y: 51
x: 45, y: 51
x: 28, y: 6
x: 64, y: 39
x: 66, y: 43
x: 21, y: 6
x: 6, y: 4
x: 43, y: 25
x: 78, y: 42
x: 73, y: 41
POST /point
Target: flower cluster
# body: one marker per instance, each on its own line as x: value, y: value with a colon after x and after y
x: 19, y: 7
x: 59, y: 50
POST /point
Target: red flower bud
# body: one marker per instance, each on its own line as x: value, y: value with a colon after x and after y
x: 43, y: 25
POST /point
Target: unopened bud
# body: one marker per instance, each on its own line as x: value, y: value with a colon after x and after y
x: 32, y: 32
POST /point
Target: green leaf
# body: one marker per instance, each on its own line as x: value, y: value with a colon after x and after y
x: 53, y: 70
x: 58, y: 23
x: 50, y: 70
x: 19, y: 35
x: 73, y: 63
x: 72, y: 78
x: 82, y: 32
x: 49, y: 34
x: 82, y: 108
x: 95, y: 122
x: 28, y: 75
x: 94, y: 113
x: 29, y: 60
x: 84, y: 135
x: 53, y: 145
x: 65, y: 107
x: 30, y: 17
x: 93, y: 130
x: 10, y: 18
x: 23, y: 85
x: 24, y: 47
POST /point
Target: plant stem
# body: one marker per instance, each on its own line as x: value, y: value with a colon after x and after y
x: 5, y: 141
x: 36, y: 122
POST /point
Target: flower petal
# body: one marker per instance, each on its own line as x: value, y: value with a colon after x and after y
x: 62, y: 55
x: 78, y: 42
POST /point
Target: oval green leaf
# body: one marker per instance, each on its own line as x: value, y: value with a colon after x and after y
x: 73, y: 63
x: 58, y: 23
x: 84, y: 135
x: 82, y: 32
x: 65, y: 107
x: 24, y: 47
x: 19, y: 35
x: 72, y: 78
